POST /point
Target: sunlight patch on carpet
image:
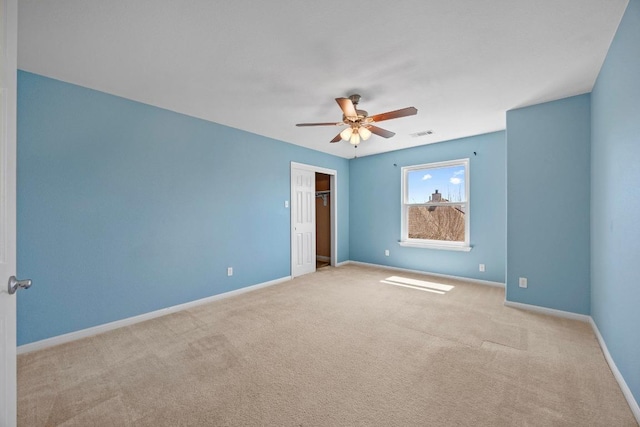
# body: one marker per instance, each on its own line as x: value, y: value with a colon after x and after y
x: 421, y: 285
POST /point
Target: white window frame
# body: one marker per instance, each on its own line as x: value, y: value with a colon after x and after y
x: 436, y: 244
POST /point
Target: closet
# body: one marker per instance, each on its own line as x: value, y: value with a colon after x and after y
x: 323, y: 220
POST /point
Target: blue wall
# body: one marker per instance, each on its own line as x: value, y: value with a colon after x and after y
x: 375, y: 210
x: 548, y: 174
x: 124, y: 208
x: 615, y: 199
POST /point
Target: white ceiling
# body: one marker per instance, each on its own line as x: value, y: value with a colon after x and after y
x: 264, y: 66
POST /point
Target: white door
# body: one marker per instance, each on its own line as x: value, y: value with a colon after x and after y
x: 303, y: 221
x: 8, y: 35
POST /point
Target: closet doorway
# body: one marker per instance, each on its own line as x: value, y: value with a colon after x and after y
x: 307, y: 202
x: 323, y: 220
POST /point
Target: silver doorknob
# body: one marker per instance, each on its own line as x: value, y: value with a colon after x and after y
x: 14, y: 284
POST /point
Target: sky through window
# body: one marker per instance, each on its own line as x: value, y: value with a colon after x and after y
x: 449, y: 181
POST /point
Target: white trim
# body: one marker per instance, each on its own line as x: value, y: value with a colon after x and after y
x: 313, y: 168
x: 333, y: 216
x: 343, y: 263
x: 415, y: 243
x: 404, y: 220
x: 548, y: 311
x: 427, y: 273
x: 323, y: 258
x: 95, y: 330
x: 626, y: 391
x: 333, y: 193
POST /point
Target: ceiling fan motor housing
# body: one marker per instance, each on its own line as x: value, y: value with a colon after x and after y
x: 361, y: 116
x: 360, y: 125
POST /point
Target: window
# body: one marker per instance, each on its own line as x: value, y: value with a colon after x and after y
x: 435, y: 205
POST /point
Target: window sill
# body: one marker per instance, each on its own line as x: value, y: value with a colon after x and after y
x: 435, y: 246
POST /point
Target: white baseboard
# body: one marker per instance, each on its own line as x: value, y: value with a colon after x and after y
x: 444, y: 276
x: 95, y: 330
x: 323, y: 258
x: 549, y: 311
x: 340, y: 264
x: 626, y: 391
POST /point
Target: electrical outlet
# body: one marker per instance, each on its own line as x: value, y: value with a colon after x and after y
x: 230, y: 271
x: 522, y: 282
x: 286, y: 203
x: 386, y: 252
x: 481, y: 267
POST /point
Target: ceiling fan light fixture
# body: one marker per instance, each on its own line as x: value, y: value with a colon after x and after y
x: 364, y: 133
x: 355, y: 138
x: 346, y: 134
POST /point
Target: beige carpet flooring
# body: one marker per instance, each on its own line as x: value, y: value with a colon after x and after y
x: 334, y: 348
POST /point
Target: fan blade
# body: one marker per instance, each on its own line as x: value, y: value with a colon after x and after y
x: 347, y: 107
x: 380, y: 132
x: 320, y: 124
x: 336, y: 139
x: 409, y: 111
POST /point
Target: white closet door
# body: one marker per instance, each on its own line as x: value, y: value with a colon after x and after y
x: 303, y: 211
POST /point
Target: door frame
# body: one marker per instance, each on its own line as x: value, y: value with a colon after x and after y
x: 333, y: 187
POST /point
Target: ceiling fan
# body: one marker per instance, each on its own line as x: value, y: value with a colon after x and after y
x: 360, y: 124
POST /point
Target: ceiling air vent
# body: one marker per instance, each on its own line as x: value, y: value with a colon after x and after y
x: 421, y: 133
